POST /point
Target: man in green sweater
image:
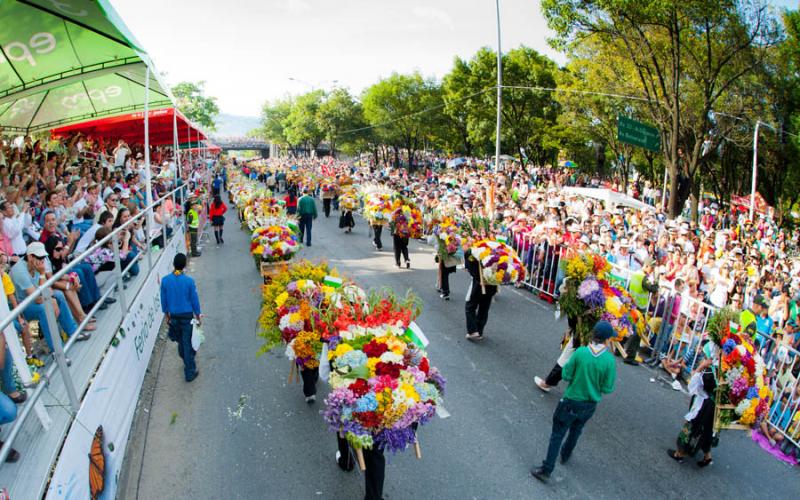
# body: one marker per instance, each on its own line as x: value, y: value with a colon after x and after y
x: 307, y: 211
x: 591, y: 372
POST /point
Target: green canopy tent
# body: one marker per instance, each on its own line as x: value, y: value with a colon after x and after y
x: 66, y: 63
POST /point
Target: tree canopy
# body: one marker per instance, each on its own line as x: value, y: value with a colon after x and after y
x: 195, y: 105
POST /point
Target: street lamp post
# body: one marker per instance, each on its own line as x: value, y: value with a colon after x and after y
x: 755, y: 171
x: 499, y: 91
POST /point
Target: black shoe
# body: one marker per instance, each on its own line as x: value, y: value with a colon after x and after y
x: 192, y: 377
x: 109, y: 301
x: 631, y: 362
x: 408, y: 265
x: 13, y: 455
x: 197, y: 254
x: 540, y: 474
x: 103, y: 307
x: 444, y: 296
x: 673, y: 455
x: 21, y: 397
x: 705, y: 462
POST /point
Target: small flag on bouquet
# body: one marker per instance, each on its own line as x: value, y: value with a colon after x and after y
x: 502, y: 239
x: 294, y: 227
x: 332, y: 281
x: 415, y: 335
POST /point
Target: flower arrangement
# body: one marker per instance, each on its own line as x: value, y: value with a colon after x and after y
x: 406, y: 219
x: 448, y: 238
x: 293, y: 290
x: 500, y: 264
x: 589, y: 297
x: 327, y: 185
x: 377, y: 204
x: 383, y: 386
x: 348, y: 200
x: 274, y: 243
x: 743, y: 371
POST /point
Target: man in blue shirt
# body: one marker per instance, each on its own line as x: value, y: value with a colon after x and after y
x: 179, y: 302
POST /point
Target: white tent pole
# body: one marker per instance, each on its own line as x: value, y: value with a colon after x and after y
x: 176, y: 156
x: 148, y: 174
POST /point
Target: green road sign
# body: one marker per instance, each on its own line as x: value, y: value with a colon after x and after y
x: 638, y: 134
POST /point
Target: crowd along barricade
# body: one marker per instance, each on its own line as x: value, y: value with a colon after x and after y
x: 783, y: 368
x: 72, y: 387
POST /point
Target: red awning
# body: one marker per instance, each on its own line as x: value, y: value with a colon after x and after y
x: 130, y: 127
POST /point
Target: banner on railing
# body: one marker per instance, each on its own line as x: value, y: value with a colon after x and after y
x: 111, y: 398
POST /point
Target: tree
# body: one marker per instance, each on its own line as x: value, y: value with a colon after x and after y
x: 195, y: 105
x: 397, y: 106
x: 529, y: 116
x: 273, y: 115
x: 301, y: 125
x: 687, y: 55
x: 339, y: 112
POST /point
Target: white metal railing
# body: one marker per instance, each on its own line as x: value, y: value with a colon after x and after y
x: 45, y: 292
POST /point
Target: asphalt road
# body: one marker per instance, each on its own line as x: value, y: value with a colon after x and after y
x: 239, y: 431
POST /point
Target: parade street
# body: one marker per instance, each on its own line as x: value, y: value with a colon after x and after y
x: 239, y: 431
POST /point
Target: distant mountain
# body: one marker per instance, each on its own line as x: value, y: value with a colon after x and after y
x: 235, y: 125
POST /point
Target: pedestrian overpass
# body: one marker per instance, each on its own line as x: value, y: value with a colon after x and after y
x: 243, y: 144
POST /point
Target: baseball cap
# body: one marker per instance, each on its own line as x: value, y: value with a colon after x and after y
x: 37, y: 249
x: 603, y: 330
x: 759, y: 301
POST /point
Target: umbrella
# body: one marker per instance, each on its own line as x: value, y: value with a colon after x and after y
x: 568, y: 164
x: 456, y: 162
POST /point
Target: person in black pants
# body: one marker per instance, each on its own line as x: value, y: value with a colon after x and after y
x: 377, y: 229
x: 326, y: 205
x: 375, y: 463
x: 310, y: 377
x: 401, y: 247
x: 479, y: 300
x: 444, y: 278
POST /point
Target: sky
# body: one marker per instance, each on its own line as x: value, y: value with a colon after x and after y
x: 250, y: 51
x: 247, y: 50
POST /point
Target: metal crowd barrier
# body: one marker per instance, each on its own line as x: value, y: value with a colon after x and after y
x: 60, y: 351
x: 783, y: 368
x: 542, y: 261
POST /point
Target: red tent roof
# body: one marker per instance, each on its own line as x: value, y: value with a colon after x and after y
x: 130, y: 127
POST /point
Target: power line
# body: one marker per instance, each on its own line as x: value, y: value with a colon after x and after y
x: 589, y: 92
x: 426, y: 110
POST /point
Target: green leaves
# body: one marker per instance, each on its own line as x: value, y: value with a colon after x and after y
x: 192, y: 102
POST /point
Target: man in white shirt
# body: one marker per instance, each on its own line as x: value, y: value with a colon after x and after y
x: 13, y: 225
x: 120, y: 152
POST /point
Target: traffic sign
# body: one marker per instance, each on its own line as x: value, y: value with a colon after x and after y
x: 638, y: 134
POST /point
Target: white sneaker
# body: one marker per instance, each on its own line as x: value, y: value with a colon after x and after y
x: 310, y: 399
x: 677, y: 385
x: 338, y: 456
x: 541, y: 385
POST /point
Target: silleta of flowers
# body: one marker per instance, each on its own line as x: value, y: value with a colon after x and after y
x: 348, y: 200
x: 274, y: 243
x: 448, y: 237
x: 500, y: 264
x: 743, y: 372
x: 291, y: 305
x: 327, y: 185
x: 377, y: 204
x: 406, y: 219
x: 383, y: 386
x: 589, y: 296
